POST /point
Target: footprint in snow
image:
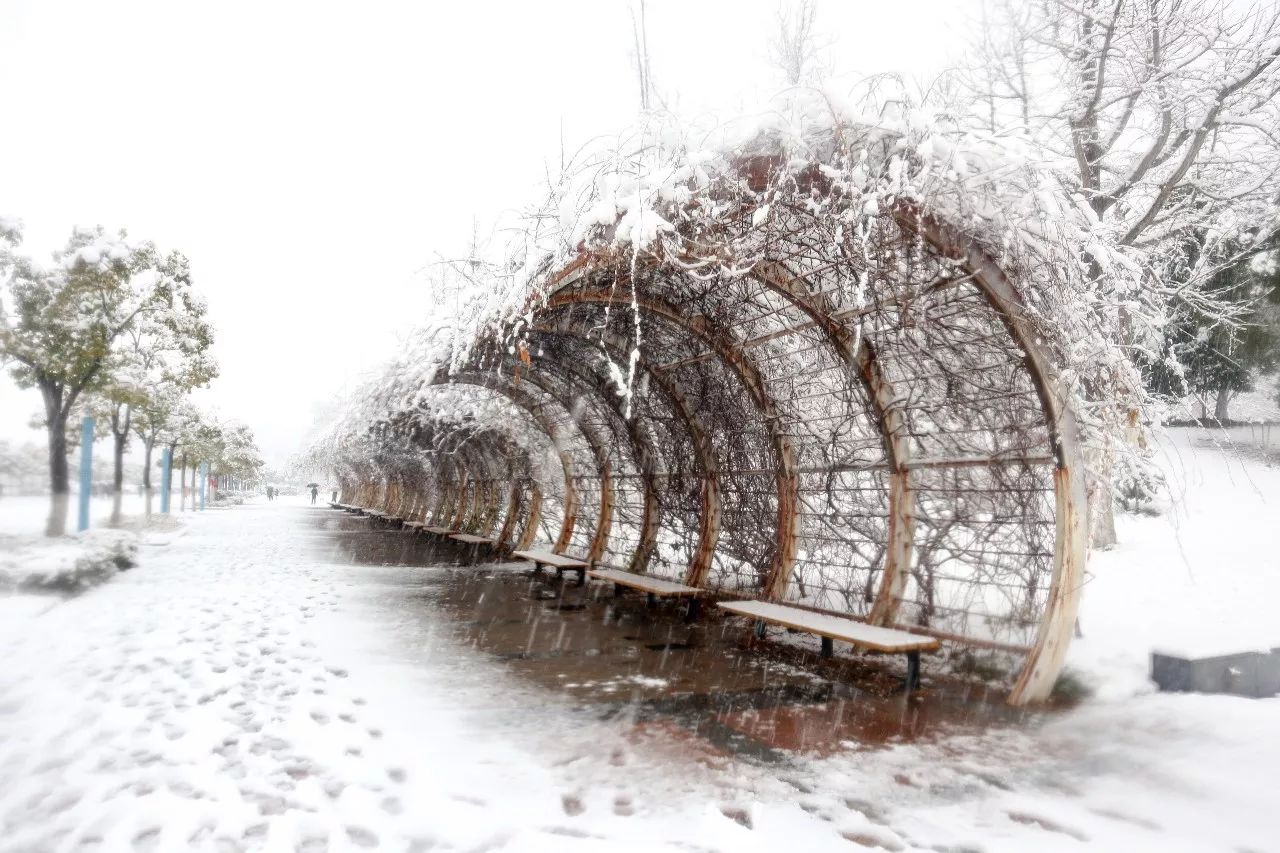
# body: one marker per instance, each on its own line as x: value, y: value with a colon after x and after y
x: 362, y: 837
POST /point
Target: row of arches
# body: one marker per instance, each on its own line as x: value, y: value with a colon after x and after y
x: 870, y: 426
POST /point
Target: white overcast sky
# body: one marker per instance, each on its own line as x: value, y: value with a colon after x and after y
x: 311, y: 157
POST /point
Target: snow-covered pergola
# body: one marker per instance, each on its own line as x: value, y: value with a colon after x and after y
x: 820, y: 369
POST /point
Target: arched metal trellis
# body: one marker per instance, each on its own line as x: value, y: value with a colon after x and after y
x: 863, y: 423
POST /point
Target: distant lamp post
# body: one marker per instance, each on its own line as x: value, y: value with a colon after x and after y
x: 86, y: 471
x: 166, y: 479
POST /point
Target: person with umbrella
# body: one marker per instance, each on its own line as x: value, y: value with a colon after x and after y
x: 315, y: 490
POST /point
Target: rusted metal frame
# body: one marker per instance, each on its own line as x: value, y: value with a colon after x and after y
x: 1048, y: 652
x: 743, y: 366
x: 366, y: 493
x: 570, y: 502
x: 604, y: 465
x: 475, y: 456
x: 571, y: 493
x: 466, y: 496
x: 471, y: 516
x: 934, y: 464
x: 474, y: 513
x: 530, y: 531
x: 493, y: 507
x: 856, y: 352
x: 838, y: 316
x: 709, y: 517
x: 515, y: 502
x: 444, y: 491
x: 643, y: 452
x: 457, y: 491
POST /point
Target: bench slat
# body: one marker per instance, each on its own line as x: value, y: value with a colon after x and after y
x: 656, y: 586
x: 547, y: 558
x: 471, y: 540
x: 441, y: 531
x: 835, y: 627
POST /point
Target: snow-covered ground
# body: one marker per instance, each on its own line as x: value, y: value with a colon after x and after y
x: 26, y: 516
x: 245, y: 689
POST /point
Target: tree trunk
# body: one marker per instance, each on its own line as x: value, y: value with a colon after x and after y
x: 120, y: 432
x: 1221, y: 409
x: 57, y: 522
x: 147, y: 446
x: 117, y: 480
x: 183, y: 505
x: 59, y: 479
x: 56, y: 424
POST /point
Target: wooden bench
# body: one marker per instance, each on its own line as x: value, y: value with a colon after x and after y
x: 559, y: 562
x: 469, y: 539
x: 474, y: 541
x: 830, y: 628
x: 440, y: 531
x: 654, y: 588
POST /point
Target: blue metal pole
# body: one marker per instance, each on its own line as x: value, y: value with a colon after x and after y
x: 204, y: 481
x: 166, y: 479
x: 86, y: 471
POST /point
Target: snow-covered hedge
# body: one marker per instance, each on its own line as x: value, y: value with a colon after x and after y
x: 68, y: 563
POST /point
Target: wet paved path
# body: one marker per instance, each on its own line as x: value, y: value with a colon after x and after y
x: 282, y: 677
x: 250, y: 686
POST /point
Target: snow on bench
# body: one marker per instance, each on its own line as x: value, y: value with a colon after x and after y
x: 559, y: 562
x: 829, y: 628
x: 470, y: 539
x: 440, y: 531
x: 653, y: 588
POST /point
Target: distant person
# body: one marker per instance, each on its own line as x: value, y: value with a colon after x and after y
x: 315, y: 490
x: 271, y: 493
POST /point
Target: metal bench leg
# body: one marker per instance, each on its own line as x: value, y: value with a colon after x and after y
x: 759, y: 629
x: 691, y: 615
x: 617, y: 590
x: 913, y: 671
x: 650, y: 599
x: 582, y: 577
x: 828, y: 647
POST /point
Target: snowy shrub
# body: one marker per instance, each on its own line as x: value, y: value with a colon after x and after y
x: 120, y: 545
x: 69, y: 563
x: 1071, y: 688
x: 1138, y: 483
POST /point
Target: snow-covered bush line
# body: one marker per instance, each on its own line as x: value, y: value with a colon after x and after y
x: 69, y: 563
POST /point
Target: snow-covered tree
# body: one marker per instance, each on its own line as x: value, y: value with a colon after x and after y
x: 163, y: 356
x: 62, y: 325
x: 795, y: 47
x: 1162, y: 116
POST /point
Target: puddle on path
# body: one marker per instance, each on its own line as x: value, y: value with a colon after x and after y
x: 620, y: 657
